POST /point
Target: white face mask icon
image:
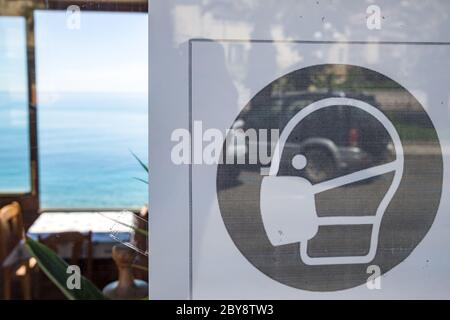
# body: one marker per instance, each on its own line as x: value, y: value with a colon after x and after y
x: 288, y: 207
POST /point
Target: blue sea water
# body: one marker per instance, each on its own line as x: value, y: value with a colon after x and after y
x: 14, y: 154
x: 84, y: 149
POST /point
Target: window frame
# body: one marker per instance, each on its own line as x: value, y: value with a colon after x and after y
x: 29, y: 200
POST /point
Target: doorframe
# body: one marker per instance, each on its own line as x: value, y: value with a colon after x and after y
x: 29, y: 201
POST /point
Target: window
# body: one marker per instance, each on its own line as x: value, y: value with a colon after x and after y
x: 92, y: 109
x: 14, y: 134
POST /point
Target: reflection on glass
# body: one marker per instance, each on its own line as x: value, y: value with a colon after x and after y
x: 14, y: 140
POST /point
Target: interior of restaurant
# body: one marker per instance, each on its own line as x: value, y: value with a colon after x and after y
x: 73, y: 149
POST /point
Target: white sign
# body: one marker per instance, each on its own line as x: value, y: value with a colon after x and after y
x: 297, y: 150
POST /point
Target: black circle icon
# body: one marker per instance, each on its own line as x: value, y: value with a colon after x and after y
x: 332, y: 141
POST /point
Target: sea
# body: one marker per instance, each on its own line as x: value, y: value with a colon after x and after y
x: 86, y: 141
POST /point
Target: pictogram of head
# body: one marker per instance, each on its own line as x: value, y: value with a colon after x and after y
x: 287, y: 203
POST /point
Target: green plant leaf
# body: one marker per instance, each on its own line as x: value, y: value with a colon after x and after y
x: 143, y: 165
x: 141, y: 180
x: 56, y: 270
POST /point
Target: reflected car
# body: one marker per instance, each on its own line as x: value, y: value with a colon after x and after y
x: 335, y: 140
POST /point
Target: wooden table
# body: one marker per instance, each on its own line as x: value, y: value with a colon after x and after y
x: 108, y: 228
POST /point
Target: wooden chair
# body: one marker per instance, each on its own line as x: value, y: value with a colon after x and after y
x: 77, y: 241
x: 11, y: 233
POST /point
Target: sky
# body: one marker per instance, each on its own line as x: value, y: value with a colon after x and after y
x: 108, y: 53
x: 13, y: 73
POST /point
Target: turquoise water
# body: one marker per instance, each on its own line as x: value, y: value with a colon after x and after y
x: 84, y: 150
x: 14, y: 155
